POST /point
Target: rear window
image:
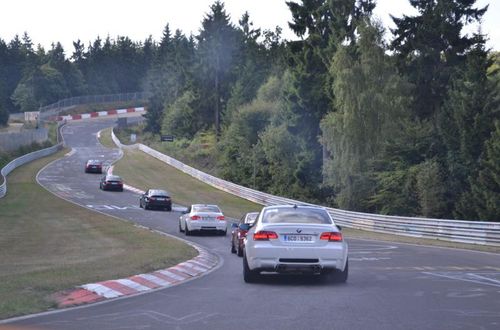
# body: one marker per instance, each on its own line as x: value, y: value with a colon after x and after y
x: 296, y: 215
x: 206, y: 208
x: 158, y: 193
x: 113, y: 178
x: 250, y: 218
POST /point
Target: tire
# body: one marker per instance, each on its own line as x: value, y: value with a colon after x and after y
x: 223, y: 233
x: 146, y: 206
x: 341, y: 276
x: 249, y: 276
x: 233, y: 250
x: 180, y: 228
x: 187, y: 231
x: 240, y: 251
x: 169, y: 208
x: 140, y: 204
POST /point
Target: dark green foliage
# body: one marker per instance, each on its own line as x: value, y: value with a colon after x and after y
x: 370, y: 100
x: 241, y: 156
x: 396, y: 170
x: 170, y: 75
x: 430, y: 45
x: 482, y: 202
x: 466, y: 121
x: 333, y: 118
x: 179, y: 116
x: 218, y: 52
x: 327, y: 24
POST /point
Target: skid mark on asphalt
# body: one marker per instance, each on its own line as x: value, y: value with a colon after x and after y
x: 485, y: 278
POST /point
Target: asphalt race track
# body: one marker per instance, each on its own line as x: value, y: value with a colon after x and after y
x: 390, y: 285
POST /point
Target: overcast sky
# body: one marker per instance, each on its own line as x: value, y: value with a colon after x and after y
x: 66, y: 21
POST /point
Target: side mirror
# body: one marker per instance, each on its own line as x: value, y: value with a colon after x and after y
x: 185, y: 212
x: 234, y: 226
x: 340, y: 228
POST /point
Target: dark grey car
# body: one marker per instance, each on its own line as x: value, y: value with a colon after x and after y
x: 156, y: 198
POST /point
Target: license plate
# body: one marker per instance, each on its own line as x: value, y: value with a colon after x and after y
x: 160, y: 199
x: 298, y: 238
x: 114, y: 182
x: 207, y: 218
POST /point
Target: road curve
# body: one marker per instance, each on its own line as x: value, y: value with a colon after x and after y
x: 390, y: 286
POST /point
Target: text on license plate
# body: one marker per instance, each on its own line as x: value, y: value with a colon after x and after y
x: 298, y: 238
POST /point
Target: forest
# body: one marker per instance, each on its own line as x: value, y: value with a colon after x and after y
x: 342, y: 116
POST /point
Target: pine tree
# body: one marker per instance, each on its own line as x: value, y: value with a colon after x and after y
x: 430, y: 45
x: 325, y: 24
x: 466, y: 121
x: 369, y: 100
x: 217, y: 50
x: 483, y: 201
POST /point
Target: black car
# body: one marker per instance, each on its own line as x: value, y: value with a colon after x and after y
x: 156, y: 198
x: 111, y: 182
x: 93, y: 166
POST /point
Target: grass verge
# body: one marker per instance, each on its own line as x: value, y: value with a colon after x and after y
x: 48, y: 245
x: 143, y: 171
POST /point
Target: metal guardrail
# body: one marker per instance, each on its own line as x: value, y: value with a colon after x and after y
x: 472, y: 232
x: 54, y: 108
x: 28, y: 158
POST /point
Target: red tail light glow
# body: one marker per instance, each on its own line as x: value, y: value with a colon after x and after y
x: 195, y: 217
x: 331, y: 237
x: 264, y: 235
x: 220, y: 217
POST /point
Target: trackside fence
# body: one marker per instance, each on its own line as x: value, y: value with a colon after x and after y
x: 461, y: 231
x: 28, y: 158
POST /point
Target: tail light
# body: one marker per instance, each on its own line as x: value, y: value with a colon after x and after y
x: 264, y: 235
x: 195, y: 217
x: 331, y: 237
x: 220, y: 217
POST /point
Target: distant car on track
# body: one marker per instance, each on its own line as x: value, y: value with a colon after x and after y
x: 111, y: 182
x: 202, y: 217
x: 295, y: 239
x: 155, y: 198
x: 239, y: 232
x: 93, y: 166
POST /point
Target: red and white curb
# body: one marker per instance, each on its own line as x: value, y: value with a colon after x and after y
x: 164, y: 278
x: 100, y: 114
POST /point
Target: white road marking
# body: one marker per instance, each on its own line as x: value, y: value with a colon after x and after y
x: 466, y: 278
